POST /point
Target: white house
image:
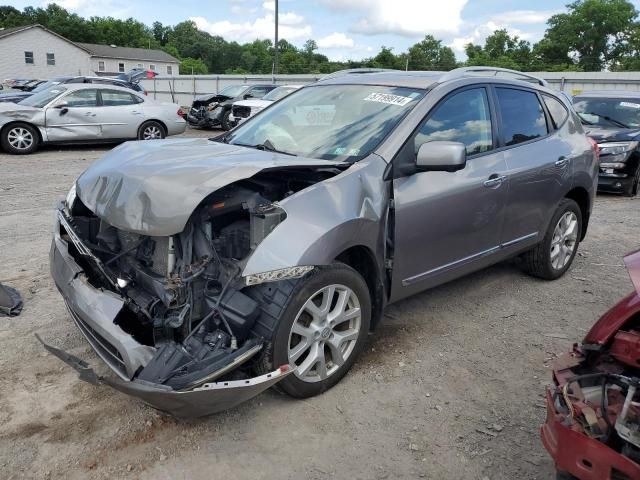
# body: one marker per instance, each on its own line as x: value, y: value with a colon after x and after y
x: 33, y: 51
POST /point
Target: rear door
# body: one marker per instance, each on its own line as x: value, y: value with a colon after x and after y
x: 74, y: 117
x: 121, y: 113
x: 538, y: 162
x: 449, y: 223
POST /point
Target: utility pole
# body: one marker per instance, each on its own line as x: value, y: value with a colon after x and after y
x: 275, y: 56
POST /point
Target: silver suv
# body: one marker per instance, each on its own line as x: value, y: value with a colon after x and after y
x: 205, y: 271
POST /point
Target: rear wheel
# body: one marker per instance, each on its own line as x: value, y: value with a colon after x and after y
x: 318, y: 325
x: 552, y: 257
x: 20, y: 139
x: 151, y: 130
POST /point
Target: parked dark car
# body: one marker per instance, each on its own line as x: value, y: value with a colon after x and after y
x: 210, y: 111
x: 612, y: 118
x: 15, y: 97
x: 28, y: 86
x: 592, y: 430
x: 204, y: 271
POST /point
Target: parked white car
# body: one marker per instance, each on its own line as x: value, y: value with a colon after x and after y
x: 85, y: 113
x: 244, y: 109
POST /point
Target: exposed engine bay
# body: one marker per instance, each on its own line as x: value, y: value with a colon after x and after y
x: 593, y: 410
x: 184, y: 294
x: 206, y: 111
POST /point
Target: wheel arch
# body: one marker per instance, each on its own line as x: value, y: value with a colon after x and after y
x: 580, y: 195
x: 363, y: 260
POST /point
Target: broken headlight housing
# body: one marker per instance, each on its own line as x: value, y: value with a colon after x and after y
x: 277, y: 275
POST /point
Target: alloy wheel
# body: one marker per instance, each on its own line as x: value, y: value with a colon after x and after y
x: 20, y: 138
x: 152, y: 132
x: 564, y: 241
x: 325, y: 332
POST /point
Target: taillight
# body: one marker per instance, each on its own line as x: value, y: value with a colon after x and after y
x: 180, y: 113
x: 145, y: 92
x: 595, y: 147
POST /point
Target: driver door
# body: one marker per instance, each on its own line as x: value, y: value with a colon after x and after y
x: 74, y: 117
x: 449, y: 223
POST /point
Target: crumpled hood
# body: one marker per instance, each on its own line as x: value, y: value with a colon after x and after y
x: 8, y: 107
x: 153, y: 187
x: 614, y: 134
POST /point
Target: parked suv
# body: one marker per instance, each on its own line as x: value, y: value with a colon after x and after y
x: 204, y: 272
x: 612, y: 118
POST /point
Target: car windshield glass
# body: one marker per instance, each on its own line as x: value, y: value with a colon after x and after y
x: 618, y: 112
x: 45, y: 86
x: 41, y: 99
x: 278, y: 93
x: 233, y: 90
x: 330, y: 122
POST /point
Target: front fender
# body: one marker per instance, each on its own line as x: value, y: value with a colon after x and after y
x: 326, y: 219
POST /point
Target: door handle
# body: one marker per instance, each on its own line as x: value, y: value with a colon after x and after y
x: 495, y: 181
x: 562, y: 162
x: 89, y: 114
x: 135, y: 112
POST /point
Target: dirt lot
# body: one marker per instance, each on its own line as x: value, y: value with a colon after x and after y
x: 450, y: 386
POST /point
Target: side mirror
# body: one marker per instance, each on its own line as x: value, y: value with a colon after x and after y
x: 247, y: 95
x: 441, y: 156
x: 63, y: 107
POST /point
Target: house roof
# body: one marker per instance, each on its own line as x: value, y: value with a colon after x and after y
x: 106, y: 51
x: 127, y: 53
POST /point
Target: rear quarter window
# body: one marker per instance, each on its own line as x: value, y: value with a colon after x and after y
x: 557, y: 110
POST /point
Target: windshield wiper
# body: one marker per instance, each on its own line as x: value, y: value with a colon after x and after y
x: 267, y: 146
x: 609, y: 119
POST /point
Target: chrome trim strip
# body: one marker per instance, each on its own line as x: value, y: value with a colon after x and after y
x: 422, y: 276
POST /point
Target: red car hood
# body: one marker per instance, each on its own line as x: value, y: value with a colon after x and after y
x: 612, y: 321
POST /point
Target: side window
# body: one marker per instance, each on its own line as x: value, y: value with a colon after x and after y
x: 115, y: 98
x: 523, y: 118
x: 101, y: 67
x: 121, y: 67
x: 556, y: 109
x: 51, y: 58
x: 82, y: 98
x: 28, y: 58
x: 464, y: 117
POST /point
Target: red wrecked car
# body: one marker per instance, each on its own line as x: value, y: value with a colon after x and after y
x: 592, y: 429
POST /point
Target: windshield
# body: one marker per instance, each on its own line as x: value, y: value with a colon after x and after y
x: 233, y: 90
x: 345, y: 122
x: 41, y: 99
x: 278, y: 93
x: 618, y: 112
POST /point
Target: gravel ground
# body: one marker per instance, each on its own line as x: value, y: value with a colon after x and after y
x: 450, y: 386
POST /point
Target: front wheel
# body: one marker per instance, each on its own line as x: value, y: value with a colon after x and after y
x: 634, y: 186
x: 225, y: 123
x: 318, y: 325
x: 19, y: 139
x: 151, y: 131
x: 552, y: 257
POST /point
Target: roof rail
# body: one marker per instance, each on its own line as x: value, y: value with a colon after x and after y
x: 352, y: 71
x: 463, y: 71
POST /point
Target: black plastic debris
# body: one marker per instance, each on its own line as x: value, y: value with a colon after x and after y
x: 10, y: 301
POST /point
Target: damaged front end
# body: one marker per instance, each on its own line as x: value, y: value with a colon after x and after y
x: 172, y: 315
x: 592, y: 429
x: 207, y: 111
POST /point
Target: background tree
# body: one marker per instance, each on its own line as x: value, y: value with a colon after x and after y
x: 501, y: 50
x: 430, y: 54
x: 193, y: 66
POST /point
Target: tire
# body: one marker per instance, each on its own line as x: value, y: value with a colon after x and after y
x: 285, y: 304
x: 151, y: 130
x: 564, y: 476
x: 552, y: 257
x: 20, y: 139
x: 634, y: 186
x: 225, y: 123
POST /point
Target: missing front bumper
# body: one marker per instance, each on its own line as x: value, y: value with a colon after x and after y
x: 207, y: 399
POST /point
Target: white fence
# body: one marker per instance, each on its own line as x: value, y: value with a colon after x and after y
x: 183, y: 89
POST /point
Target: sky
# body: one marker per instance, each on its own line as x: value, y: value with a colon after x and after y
x: 343, y: 29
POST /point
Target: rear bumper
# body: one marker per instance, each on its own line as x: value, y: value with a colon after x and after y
x: 94, y: 312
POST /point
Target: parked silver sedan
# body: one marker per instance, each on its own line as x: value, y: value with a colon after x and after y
x: 85, y: 113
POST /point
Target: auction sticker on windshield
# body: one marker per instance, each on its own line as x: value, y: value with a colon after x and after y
x: 388, y: 98
x: 630, y: 105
